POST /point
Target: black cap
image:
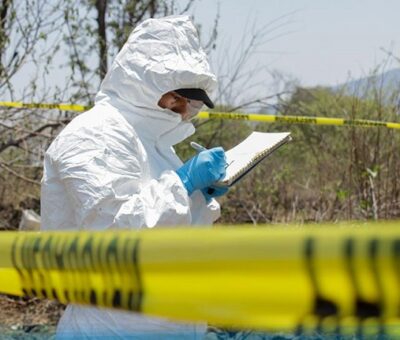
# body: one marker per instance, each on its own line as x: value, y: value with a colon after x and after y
x: 196, y: 94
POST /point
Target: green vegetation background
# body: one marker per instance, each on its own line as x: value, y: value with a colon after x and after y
x: 327, y: 173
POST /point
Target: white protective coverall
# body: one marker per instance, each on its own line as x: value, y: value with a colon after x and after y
x: 113, y: 166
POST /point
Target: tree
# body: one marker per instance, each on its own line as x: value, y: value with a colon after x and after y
x: 26, y: 26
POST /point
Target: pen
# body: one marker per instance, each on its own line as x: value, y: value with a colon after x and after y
x: 197, y: 147
x: 200, y: 148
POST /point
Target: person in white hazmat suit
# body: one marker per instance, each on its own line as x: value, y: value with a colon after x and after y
x: 114, y: 166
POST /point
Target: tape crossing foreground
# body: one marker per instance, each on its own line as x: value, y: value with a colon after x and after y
x: 266, y: 118
x: 330, y: 277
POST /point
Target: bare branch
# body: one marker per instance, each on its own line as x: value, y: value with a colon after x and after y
x: 16, y: 174
x: 34, y: 133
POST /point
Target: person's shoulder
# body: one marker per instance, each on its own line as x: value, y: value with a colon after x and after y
x: 91, y: 130
x: 82, y: 127
x: 93, y: 123
x: 89, y: 122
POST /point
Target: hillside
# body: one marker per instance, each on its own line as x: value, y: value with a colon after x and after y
x: 386, y: 84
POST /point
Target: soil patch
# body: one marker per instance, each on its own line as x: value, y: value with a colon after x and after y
x: 29, y: 318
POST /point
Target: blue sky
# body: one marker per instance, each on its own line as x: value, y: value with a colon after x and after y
x: 322, y: 42
x: 315, y: 42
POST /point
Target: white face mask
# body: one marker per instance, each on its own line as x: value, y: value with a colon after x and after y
x: 194, y: 107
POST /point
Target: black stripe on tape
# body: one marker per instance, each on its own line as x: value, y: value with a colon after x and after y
x: 73, y: 261
x: 322, y: 307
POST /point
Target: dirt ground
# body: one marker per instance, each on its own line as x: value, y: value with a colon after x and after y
x: 28, y: 318
x: 32, y: 318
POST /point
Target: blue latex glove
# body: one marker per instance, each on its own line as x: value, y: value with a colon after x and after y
x: 203, y: 170
x: 213, y: 191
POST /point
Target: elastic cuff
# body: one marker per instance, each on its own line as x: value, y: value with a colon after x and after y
x: 185, y: 181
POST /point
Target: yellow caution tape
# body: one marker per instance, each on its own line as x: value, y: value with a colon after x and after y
x: 282, y: 278
x: 266, y: 118
x: 63, y: 107
x: 296, y: 119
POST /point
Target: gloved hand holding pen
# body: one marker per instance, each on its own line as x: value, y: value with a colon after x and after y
x: 203, y: 170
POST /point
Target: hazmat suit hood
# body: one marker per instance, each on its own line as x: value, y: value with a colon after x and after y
x: 160, y: 55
